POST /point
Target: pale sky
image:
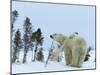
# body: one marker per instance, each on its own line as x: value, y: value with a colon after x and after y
x: 58, y: 18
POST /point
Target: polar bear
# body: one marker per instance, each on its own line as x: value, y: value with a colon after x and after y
x: 74, y: 47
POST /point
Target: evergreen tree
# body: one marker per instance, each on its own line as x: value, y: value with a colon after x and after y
x: 14, y: 17
x: 26, y: 38
x: 88, y: 55
x: 17, y: 46
x: 31, y: 42
x: 40, y: 56
x: 37, y: 37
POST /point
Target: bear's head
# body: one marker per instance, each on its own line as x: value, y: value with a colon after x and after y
x: 58, y: 37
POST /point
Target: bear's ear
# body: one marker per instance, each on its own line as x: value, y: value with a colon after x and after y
x: 76, y: 33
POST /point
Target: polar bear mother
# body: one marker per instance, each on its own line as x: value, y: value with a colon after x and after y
x: 74, y: 47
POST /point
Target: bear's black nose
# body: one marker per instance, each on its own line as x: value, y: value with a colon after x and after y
x: 51, y: 36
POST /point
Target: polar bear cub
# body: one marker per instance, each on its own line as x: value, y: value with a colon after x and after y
x: 74, y: 47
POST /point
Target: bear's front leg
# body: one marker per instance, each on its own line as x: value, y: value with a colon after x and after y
x: 75, y: 58
x: 68, y: 56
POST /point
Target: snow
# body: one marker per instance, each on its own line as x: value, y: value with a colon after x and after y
x: 33, y: 67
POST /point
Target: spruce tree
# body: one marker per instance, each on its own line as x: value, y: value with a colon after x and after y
x: 26, y: 38
x: 14, y: 18
x: 88, y: 55
x: 40, y: 56
x: 31, y: 42
x: 38, y: 38
x: 17, y: 46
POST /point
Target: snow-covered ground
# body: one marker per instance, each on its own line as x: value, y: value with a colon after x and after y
x: 32, y: 67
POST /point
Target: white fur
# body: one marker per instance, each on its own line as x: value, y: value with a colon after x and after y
x: 74, y: 49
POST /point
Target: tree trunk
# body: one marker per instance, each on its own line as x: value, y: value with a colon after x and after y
x: 32, y: 53
x: 14, y: 55
x: 25, y: 54
x: 35, y: 52
x: 24, y: 59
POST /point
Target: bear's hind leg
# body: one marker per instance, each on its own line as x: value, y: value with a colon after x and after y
x: 81, y: 58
